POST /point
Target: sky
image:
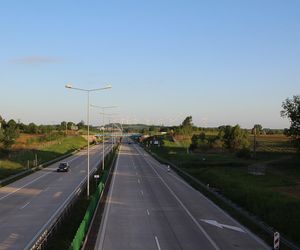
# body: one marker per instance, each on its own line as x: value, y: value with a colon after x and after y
x: 221, y: 61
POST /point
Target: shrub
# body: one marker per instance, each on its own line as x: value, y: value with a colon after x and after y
x: 243, y: 153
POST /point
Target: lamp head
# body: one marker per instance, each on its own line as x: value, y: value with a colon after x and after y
x: 108, y: 86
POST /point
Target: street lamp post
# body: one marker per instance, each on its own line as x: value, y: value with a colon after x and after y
x: 119, y: 128
x: 69, y: 86
x: 103, y: 145
x: 110, y: 128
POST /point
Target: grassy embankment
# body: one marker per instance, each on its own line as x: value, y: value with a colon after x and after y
x: 28, y: 147
x: 274, y: 197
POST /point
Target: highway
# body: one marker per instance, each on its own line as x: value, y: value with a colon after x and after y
x: 150, y: 208
x: 28, y: 204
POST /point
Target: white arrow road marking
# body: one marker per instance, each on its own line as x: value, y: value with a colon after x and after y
x: 219, y: 225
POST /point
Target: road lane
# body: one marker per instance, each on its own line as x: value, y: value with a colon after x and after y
x: 28, y: 204
x: 204, y: 209
x: 151, y: 208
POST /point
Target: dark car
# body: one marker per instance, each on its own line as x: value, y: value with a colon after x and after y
x: 63, y: 167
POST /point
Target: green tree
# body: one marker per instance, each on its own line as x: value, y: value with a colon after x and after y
x: 63, y: 125
x: 10, y: 133
x: 1, y: 129
x: 199, y: 142
x: 234, y: 137
x: 1, y: 121
x: 2, y: 124
x: 11, y: 123
x: 186, y: 128
x: 258, y: 129
x: 291, y: 110
x: 187, y: 122
x: 80, y: 125
x: 1, y: 135
x: 70, y: 124
x: 202, y: 136
x: 144, y: 131
x: 32, y: 128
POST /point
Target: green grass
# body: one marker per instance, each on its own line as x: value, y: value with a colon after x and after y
x: 177, y: 152
x: 18, y: 160
x: 256, y: 194
x: 8, y: 168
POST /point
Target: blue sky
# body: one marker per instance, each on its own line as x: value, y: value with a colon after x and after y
x: 223, y: 62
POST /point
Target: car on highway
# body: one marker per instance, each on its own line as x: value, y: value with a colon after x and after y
x: 63, y: 167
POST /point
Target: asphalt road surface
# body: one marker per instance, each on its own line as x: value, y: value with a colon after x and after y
x: 31, y: 202
x: 151, y: 208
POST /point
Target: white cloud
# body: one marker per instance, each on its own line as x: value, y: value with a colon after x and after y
x: 36, y: 60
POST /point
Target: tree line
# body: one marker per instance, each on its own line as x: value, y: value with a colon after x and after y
x: 234, y: 138
x: 10, y: 130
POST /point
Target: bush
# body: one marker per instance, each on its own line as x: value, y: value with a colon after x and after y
x: 244, y: 153
x: 216, y: 143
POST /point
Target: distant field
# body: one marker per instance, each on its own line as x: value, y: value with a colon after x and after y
x: 27, y: 148
x: 273, y: 143
x: 275, y: 196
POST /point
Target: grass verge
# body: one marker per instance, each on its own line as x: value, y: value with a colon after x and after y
x: 19, y: 160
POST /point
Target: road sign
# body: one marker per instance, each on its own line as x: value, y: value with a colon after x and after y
x: 276, y: 240
x: 96, y: 176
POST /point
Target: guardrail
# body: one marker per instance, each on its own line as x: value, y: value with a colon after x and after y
x: 41, y: 237
x: 192, y: 180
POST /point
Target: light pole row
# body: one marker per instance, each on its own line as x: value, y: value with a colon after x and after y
x: 69, y: 86
x: 103, y: 114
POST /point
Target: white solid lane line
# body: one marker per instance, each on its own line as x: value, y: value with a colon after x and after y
x: 25, y: 205
x: 157, y: 243
x: 148, y: 212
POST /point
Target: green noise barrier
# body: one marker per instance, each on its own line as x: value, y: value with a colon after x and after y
x: 83, y: 228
